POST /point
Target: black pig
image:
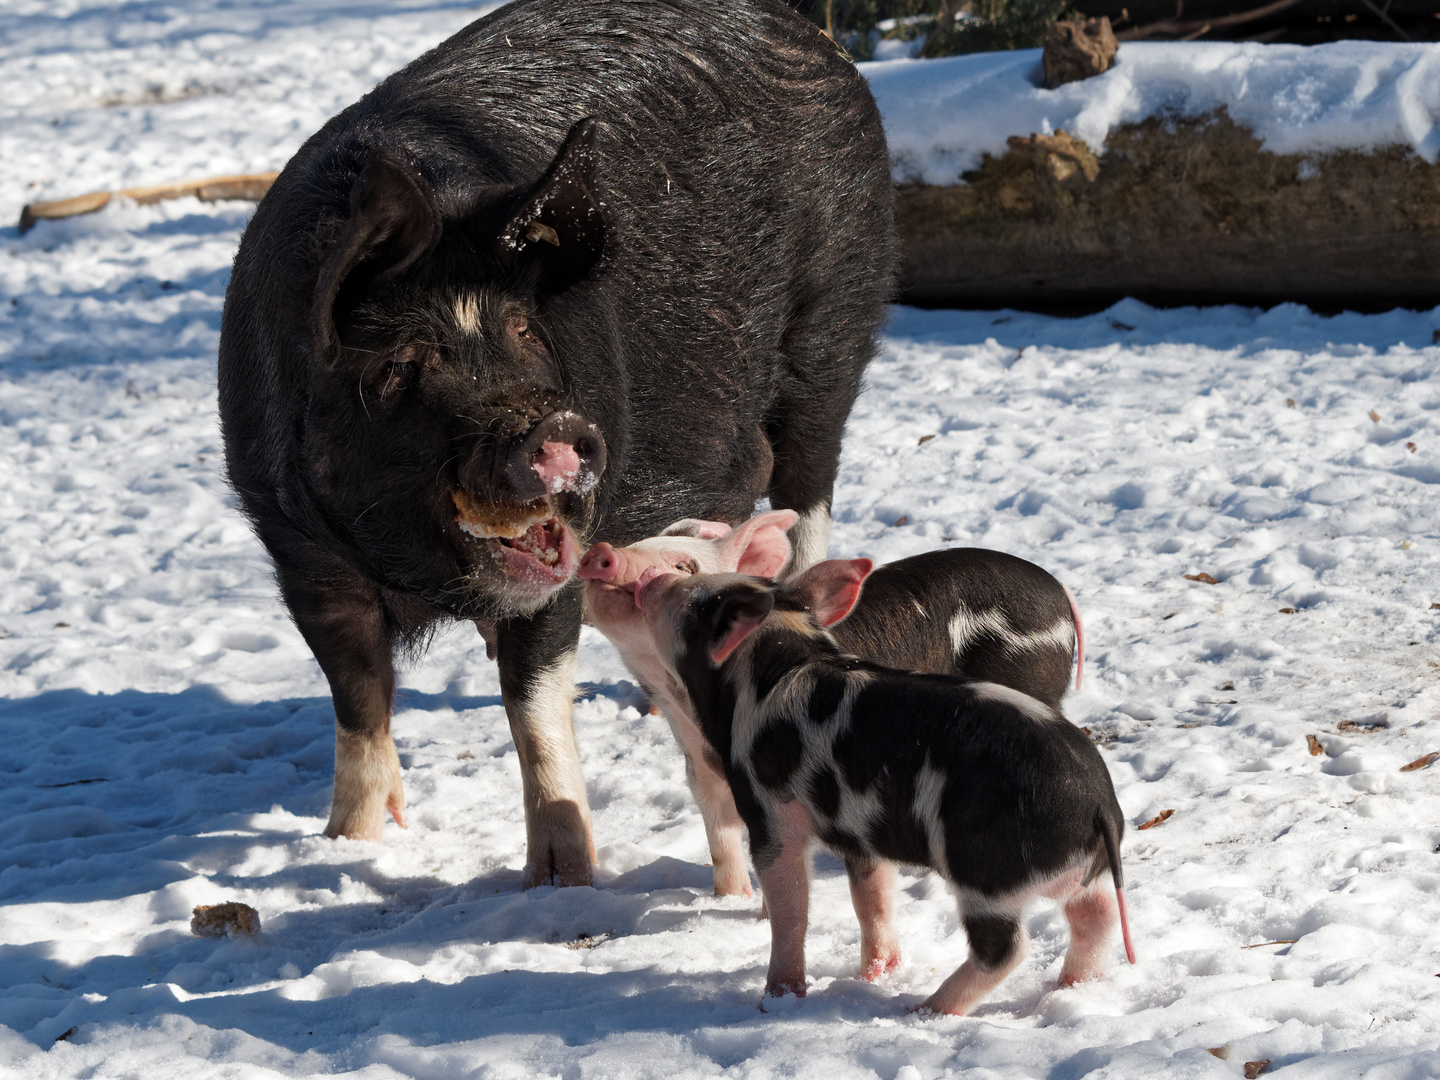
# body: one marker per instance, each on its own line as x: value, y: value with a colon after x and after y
x: 582, y: 269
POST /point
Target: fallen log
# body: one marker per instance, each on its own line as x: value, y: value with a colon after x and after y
x: 1174, y: 211
x: 250, y: 186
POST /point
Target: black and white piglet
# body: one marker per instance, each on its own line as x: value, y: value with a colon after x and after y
x: 993, y: 789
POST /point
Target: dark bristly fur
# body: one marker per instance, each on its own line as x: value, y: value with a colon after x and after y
x: 1027, y: 642
x: 725, y: 257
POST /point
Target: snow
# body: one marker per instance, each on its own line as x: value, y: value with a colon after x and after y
x: 168, y: 736
x: 942, y: 116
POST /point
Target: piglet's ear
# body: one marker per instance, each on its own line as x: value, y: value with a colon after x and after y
x: 703, y: 530
x: 736, y: 617
x: 393, y: 224
x: 832, y: 587
x: 759, y: 547
x: 561, y: 222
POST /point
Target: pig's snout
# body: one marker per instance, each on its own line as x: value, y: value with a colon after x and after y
x: 601, y: 563
x: 563, y: 452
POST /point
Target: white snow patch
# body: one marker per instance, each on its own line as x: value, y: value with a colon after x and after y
x: 943, y: 115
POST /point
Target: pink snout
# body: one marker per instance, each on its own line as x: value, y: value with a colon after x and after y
x: 558, y: 466
x: 601, y: 563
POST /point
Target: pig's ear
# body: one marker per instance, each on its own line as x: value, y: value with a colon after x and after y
x: 759, y: 547
x: 701, y: 530
x: 393, y: 223
x: 831, y: 588
x: 561, y: 222
x: 736, y: 617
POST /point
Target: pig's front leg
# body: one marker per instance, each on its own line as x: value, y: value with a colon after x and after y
x: 537, y: 680
x: 785, y: 881
x: 342, y: 620
x: 872, y: 891
x: 723, y: 827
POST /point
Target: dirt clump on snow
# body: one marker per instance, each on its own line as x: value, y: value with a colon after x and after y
x: 1175, y: 210
x: 224, y: 920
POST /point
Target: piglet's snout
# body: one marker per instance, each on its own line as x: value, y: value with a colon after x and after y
x: 601, y: 563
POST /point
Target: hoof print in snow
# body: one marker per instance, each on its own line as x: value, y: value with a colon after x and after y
x: 1203, y: 578
x: 1158, y: 819
x: 224, y: 920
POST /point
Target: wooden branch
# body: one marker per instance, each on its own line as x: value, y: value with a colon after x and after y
x: 1189, y: 30
x: 251, y: 186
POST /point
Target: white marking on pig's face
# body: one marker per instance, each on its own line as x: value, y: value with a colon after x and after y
x: 466, y: 310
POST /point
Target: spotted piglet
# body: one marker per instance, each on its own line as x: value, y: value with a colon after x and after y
x: 961, y: 611
x: 993, y: 789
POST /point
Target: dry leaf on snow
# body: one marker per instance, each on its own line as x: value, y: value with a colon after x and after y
x: 1164, y: 815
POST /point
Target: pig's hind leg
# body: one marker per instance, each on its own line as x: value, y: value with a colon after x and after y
x: 1092, y: 914
x: 997, y: 945
x: 872, y: 891
x: 807, y: 423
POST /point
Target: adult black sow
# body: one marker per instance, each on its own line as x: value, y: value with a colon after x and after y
x: 583, y: 269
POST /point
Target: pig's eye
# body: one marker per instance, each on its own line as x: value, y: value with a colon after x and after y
x: 390, y: 374
x: 395, y: 376
x: 687, y: 567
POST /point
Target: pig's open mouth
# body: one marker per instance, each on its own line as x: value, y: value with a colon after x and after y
x: 533, y: 542
x: 544, y: 542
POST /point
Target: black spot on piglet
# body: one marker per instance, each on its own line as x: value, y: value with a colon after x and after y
x: 776, y: 754
x: 826, y: 697
x: 825, y: 792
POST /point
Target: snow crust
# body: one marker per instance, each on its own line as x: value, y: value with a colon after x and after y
x: 167, y: 735
x: 942, y: 116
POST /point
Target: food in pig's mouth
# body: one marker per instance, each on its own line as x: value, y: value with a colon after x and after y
x: 530, y: 529
x: 494, y: 521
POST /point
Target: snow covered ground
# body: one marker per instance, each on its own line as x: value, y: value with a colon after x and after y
x: 167, y: 737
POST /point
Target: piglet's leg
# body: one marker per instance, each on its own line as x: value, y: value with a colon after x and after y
x: 1091, y: 914
x: 723, y: 827
x: 872, y: 891
x: 785, y: 880
x: 996, y: 946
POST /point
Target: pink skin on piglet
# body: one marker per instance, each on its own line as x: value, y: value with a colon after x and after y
x: 613, y: 575
x: 759, y: 547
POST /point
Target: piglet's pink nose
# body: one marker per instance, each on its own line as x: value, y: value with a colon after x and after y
x: 558, y: 466
x: 600, y: 563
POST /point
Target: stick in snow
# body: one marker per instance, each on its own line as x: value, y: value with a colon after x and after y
x: 251, y: 186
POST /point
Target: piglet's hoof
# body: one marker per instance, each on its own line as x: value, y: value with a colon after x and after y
x: 879, y: 964
x: 783, y: 988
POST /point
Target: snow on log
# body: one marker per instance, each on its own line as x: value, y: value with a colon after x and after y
x: 1187, y: 173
